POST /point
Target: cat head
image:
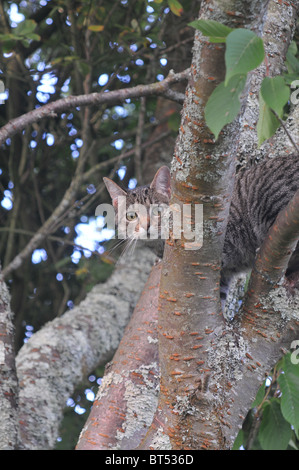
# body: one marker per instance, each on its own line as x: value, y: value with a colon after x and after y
x: 142, y: 207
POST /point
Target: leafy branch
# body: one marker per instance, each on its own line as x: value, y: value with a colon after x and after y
x: 244, y: 52
x: 275, y: 406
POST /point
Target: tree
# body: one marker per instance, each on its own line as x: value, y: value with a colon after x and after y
x: 210, y: 370
x: 45, y: 214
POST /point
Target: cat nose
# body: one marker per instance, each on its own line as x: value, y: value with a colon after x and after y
x: 143, y: 223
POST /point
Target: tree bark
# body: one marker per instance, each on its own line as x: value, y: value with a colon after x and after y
x: 127, y: 399
x: 61, y: 354
x: 8, y: 378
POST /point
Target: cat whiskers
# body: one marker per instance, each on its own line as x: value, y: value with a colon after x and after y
x: 110, y: 251
x: 128, y: 250
x: 128, y: 245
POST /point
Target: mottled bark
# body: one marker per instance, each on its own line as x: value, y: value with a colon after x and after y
x: 8, y: 378
x: 59, y: 356
x: 127, y: 399
x: 269, y: 320
x: 277, y: 29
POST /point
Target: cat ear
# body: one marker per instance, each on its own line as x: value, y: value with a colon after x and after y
x: 161, y: 181
x: 114, y: 190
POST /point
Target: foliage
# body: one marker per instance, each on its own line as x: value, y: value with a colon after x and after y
x: 244, y: 52
x: 273, y: 422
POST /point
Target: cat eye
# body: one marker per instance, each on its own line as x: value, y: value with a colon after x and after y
x: 157, y: 210
x: 131, y: 215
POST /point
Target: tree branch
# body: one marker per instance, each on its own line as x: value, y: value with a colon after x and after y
x: 273, y: 257
x: 131, y: 381
x: 109, y: 98
x: 65, y: 350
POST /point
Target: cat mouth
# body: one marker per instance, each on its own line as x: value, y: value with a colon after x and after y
x: 140, y: 233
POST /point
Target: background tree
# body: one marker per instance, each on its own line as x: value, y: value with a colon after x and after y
x: 60, y: 41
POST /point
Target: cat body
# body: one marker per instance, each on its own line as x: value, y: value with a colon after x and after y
x: 260, y: 193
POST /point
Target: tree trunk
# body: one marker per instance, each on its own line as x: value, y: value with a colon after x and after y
x: 211, y: 370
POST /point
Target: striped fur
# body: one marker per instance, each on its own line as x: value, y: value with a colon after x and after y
x: 260, y: 193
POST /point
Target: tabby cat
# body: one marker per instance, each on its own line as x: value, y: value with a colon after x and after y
x: 154, y: 198
x: 259, y: 194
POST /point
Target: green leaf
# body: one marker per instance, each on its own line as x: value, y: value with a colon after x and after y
x: 290, y: 77
x: 7, y: 37
x: 25, y: 27
x: 293, y: 48
x: 239, y: 440
x: 267, y: 123
x: 224, y: 104
x: 34, y: 37
x: 24, y: 32
x: 275, y: 93
x: 83, y: 67
x: 292, y: 63
x: 175, y: 7
x: 275, y: 432
x: 260, y: 395
x: 289, y: 386
x: 8, y: 45
x: 291, y: 60
x: 217, y: 32
x: 244, y: 52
